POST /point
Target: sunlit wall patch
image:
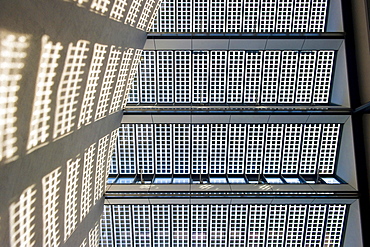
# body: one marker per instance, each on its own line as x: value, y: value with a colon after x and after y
x: 22, y: 219
x: 94, y: 235
x: 132, y: 14
x: 51, y: 195
x: 100, y: 6
x: 87, y: 181
x: 117, y: 10
x: 153, y: 17
x: 101, y: 162
x: 132, y: 75
x: 95, y: 71
x: 39, y: 125
x: 69, y: 88
x: 121, y: 81
x: 70, y: 213
x: 111, y: 148
x: 108, y: 81
x: 145, y: 14
x: 13, y: 51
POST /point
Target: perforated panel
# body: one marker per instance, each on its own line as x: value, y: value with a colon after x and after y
x: 106, y: 235
x: 165, y: 76
x: 148, y: 77
x: 144, y: 144
x: 242, y: 148
x: 273, y: 146
x: 167, y: 16
x: 301, y: 15
x: 328, y: 148
x: 291, y: 149
x: 127, y: 149
x: 224, y: 225
x: 254, y: 149
x: 243, y: 16
x: 183, y: 82
x: 305, y: 76
x: 251, y: 16
x: 284, y: 16
x: 257, y: 225
x: 122, y: 225
x: 161, y: 219
x: 235, y: 77
x: 218, y: 222
x: 111, y: 149
x: 141, y: 225
x: 324, y: 69
x: 315, y: 225
x: 334, y: 225
x: 288, y: 72
x: 310, y: 148
x: 234, y: 16
x: 270, y: 78
x: 238, y: 225
x: 200, y: 149
x: 184, y: 16
x: 267, y: 16
x: 200, y: 16
x: 163, y: 148
x: 318, y: 15
x: 251, y: 77
x: 181, y: 140
x: 295, y: 225
x: 253, y: 70
x: 218, y: 73
x: 218, y: 148
x: 200, y: 77
x: 217, y: 16
x: 236, y: 151
x: 276, y: 225
x: 180, y: 225
x: 199, y: 225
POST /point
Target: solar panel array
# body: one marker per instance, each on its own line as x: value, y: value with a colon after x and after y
x: 234, y: 77
x: 223, y: 225
x: 242, y: 16
x: 305, y: 149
